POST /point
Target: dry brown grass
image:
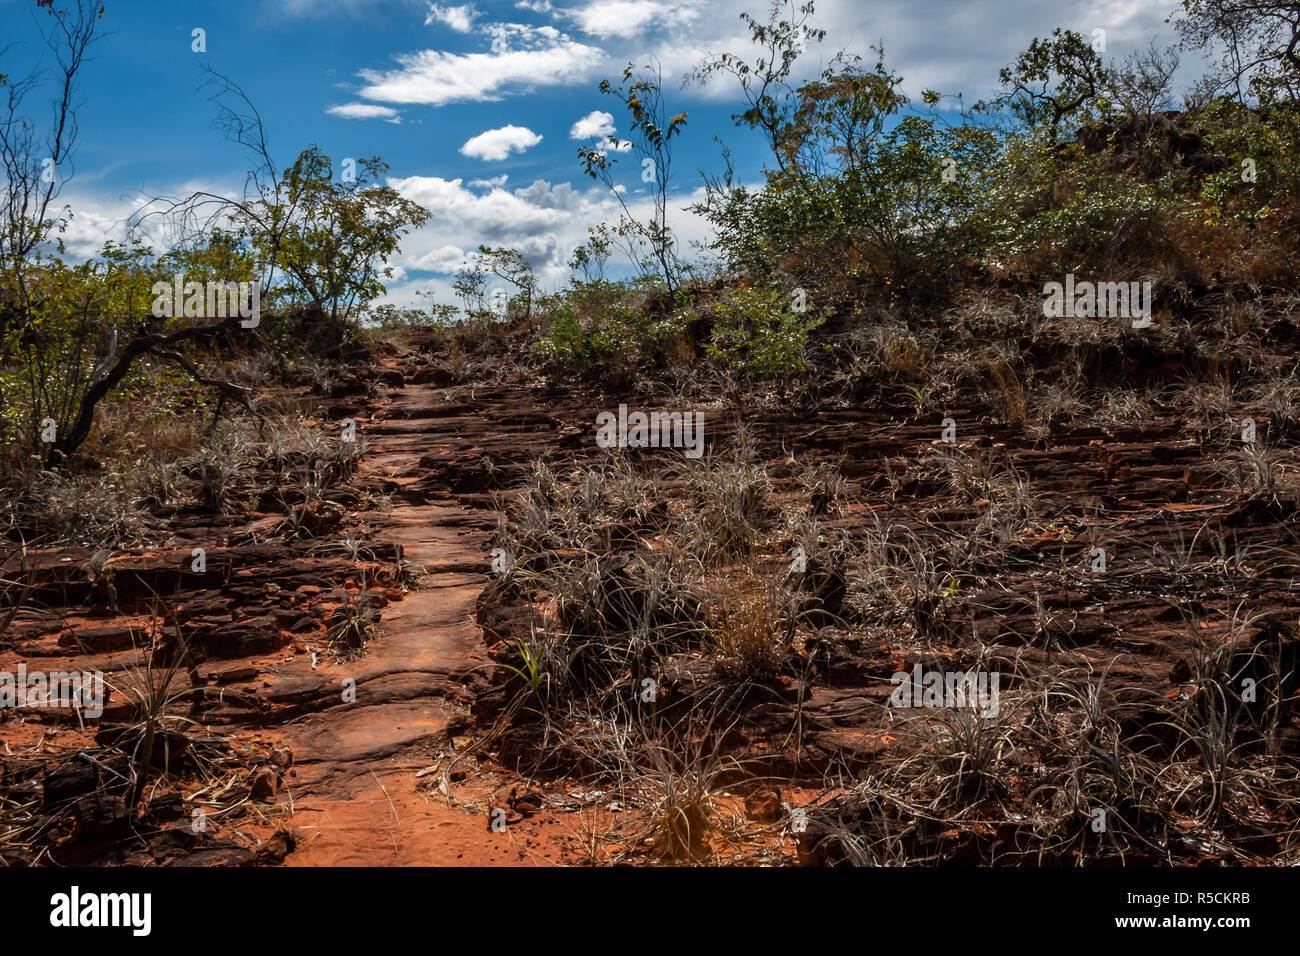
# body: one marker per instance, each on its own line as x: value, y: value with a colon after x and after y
x: 750, y: 623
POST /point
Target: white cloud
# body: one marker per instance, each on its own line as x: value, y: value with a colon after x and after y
x: 595, y: 124
x: 946, y: 45
x: 96, y: 219
x: 540, y: 249
x: 629, y: 18
x: 97, y: 216
x: 365, y: 111
x: 599, y: 125
x: 543, y: 195
x: 496, y: 182
x: 521, y: 218
x: 460, y: 19
x: 521, y: 57
x: 535, y: 6
x: 545, y: 221
x: 951, y: 48
x: 497, y: 144
x: 492, y: 215
x: 444, y: 259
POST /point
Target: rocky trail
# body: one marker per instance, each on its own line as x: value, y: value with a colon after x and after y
x: 330, y: 748
x: 292, y: 755
x: 356, y: 762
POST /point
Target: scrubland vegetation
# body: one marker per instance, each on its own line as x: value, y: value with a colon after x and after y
x: 908, y: 462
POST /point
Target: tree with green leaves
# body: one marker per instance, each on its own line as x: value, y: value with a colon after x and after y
x: 651, y: 136
x: 330, y: 236
x: 510, y: 266
x: 307, y: 240
x: 764, y: 82
x: 589, y: 257
x: 470, y: 286
x: 888, y: 193
x: 1052, y: 82
x: 320, y: 237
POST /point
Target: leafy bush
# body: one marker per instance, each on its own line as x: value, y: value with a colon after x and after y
x: 758, y: 331
x: 606, y: 322
x: 862, y: 189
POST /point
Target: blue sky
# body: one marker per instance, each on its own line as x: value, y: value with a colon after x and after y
x: 475, y: 105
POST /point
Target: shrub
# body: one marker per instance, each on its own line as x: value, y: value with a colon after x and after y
x: 758, y: 332
x: 607, y: 322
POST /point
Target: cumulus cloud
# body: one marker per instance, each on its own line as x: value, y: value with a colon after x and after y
x: 444, y: 259
x: 97, y: 216
x: 543, y: 195
x: 542, y: 220
x: 497, y: 144
x: 599, y: 125
x: 949, y: 45
x: 539, y: 248
x: 460, y: 19
x: 95, y: 220
x: 545, y: 221
x: 492, y: 215
x: 596, y: 123
x: 629, y: 18
x: 521, y: 57
x: 365, y: 111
